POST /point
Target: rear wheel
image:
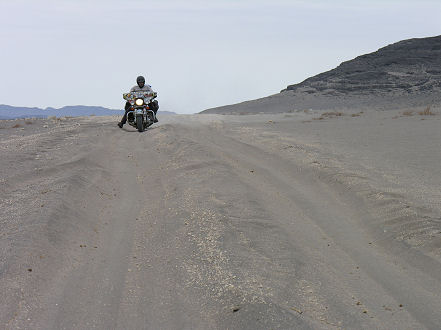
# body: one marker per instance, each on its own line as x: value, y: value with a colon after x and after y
x: 139, y: 123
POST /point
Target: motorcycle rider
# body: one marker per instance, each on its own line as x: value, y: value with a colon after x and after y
x: 140, y: 87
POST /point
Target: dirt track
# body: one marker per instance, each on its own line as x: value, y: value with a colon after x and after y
x: 218, y: 222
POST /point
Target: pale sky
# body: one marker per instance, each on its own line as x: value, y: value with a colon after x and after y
x: 195, y: 54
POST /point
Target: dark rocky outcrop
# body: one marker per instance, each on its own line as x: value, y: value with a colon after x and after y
x: 404, y: 74
x: 409, y: 66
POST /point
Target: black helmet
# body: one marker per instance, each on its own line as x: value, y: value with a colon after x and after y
x: 140, y: 80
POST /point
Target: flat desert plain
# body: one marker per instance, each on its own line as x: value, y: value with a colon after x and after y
x: 303, y: 220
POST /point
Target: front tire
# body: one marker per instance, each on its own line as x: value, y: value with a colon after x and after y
x: 139, y: 123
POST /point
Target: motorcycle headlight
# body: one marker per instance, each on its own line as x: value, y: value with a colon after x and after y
x: 139, y: 101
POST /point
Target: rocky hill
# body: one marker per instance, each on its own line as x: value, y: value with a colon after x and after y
x: 409, y: 66
x: 407, y: 73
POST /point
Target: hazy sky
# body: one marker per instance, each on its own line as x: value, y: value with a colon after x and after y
x: 195, y: 54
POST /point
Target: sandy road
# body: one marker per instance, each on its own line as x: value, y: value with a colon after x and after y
x: 202, y: 222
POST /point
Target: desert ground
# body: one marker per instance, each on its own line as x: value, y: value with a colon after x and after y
x: 301, y: 220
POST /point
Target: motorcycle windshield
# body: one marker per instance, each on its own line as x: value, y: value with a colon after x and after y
x: 136, y: 95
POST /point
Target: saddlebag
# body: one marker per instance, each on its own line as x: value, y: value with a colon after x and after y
x: 154, y: 105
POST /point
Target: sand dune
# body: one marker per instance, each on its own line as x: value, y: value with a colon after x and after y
x: 301, y: 220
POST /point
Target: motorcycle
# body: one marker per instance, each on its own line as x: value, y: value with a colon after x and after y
x: 141, y: 114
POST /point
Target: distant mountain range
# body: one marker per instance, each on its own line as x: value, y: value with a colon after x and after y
x: 11, y: 112
x: 404, y: 74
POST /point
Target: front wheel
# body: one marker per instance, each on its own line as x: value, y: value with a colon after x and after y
x: 140, y: 123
